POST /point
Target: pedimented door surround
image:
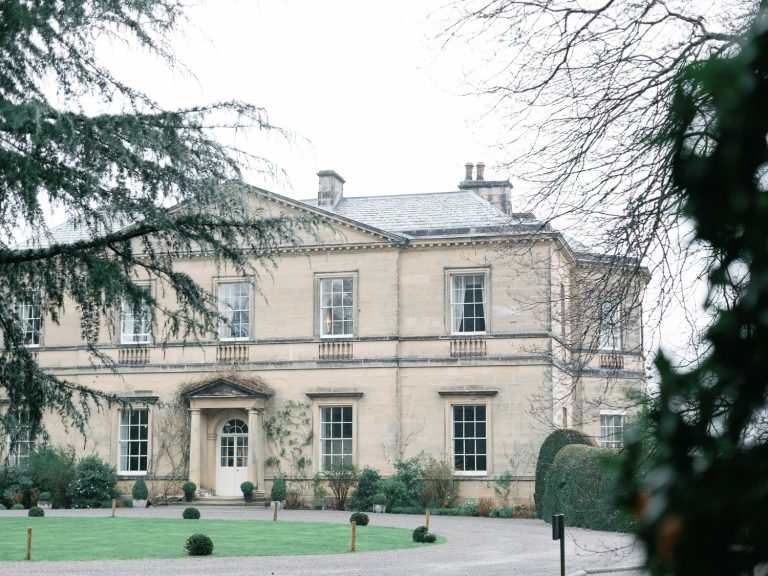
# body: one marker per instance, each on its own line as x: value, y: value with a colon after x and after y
x: 213, y: 403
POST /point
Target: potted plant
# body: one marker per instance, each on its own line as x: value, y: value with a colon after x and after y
x: 247, y: 489
x: 45, y: 500
x: 379, y: 503
x: 140, y: 493
x: 279, y: 491
x: 189, y: 489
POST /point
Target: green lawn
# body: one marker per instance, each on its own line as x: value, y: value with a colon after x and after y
x: 133, y: 538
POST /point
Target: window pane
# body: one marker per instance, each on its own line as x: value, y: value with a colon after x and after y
x: 336, y: 306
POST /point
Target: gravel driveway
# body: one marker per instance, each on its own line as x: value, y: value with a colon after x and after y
x: 475, y: 546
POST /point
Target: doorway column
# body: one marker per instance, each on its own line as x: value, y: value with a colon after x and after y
x: 256, y: 447
x: 194, y: 446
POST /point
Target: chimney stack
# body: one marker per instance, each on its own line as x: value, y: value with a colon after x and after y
x: 497, y: 192
x: 330, y: 190
x: 468, y: 174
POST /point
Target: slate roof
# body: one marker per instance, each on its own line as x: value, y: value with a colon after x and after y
x: 435, y: 214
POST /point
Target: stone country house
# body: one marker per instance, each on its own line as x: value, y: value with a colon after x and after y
x: 438, y: 322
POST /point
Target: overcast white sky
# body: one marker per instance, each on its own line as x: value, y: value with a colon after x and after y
x: 365, y: 87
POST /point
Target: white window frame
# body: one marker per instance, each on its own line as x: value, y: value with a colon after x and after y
x: 475, y: 437
x: 608, y: 429
x: 124, y: 440
x: 323, y: 437
x: 21, y: 447
x: 226, y: 310
x: 609, y: 335
x: 321, y: 281
x: 29, y: 313
x: 128, y: 312
x: 453, y: 306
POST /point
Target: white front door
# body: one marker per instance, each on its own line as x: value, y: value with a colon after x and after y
x: 232, y: 461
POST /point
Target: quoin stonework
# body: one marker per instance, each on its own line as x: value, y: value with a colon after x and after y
x: 444, y: 323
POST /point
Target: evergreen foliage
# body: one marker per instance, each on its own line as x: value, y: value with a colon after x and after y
x: 199, y: 545
x: 95, y: 482
x: 246, y: 487
x: 36, y: 512
x: 582, y: 483
x: 139, y: 490
x: 191, y: 513
x: 549, y: 448
x: 361, y: 518
x: 702, y: 504
x: 279, y: 489
x: 367, y: 488
x: 52, y: 468
x: 140, y: 185
x: 189, y: 487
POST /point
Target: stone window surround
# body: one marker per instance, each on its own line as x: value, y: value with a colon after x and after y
x: 479, y: 397
x: 329, y: 399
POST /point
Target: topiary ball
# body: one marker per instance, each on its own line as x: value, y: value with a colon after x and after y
x: 18, y: 506
x: 191, y: 513
x: 36, y: 512
x: 140, y: 490
x: 199, y: 545
x: 2, y: 507
x: 418, y: 534
x: 422, y: 534
x: 360, y: 517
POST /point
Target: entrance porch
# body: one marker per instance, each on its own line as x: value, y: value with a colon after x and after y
x: 226, y: 440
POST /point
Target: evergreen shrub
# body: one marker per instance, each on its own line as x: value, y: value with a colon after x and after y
x: 191, y: 513
x: 94, y: 483
x: 17, y: 506
x: 379, y: 499
x: 583, y: 484
x: 140, y: 491
x: 467, y: 509
x: 279, y: 489
x: 422, y: 534
x: 199, y: 545
x: 360, y: 517
x: 367, y: 488
x: 247, y: 487
x: 549, y: 448
x: 397, y: 494
x: 189, y: 487
x: 2, y: 507
x: 45, y: 497
x: 36, y: 512
x: 52, y: 468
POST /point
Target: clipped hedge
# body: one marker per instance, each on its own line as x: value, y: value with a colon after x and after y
x: 549, y: 448
x: 583, y: 484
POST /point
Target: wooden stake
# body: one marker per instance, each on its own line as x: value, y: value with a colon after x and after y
x: 29, y: 543
x: 114, y: 505
x: 427, y: 521
x: 354, y: 530
x: 274, y: 511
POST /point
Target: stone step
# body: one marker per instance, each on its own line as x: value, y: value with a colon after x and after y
x: 258, y: 500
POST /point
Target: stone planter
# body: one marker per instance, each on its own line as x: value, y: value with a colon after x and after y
x: 248, y: 496
x: 44, y: 504
x: 379, y: 508
x: 189, y: 496
x: 139, y: 503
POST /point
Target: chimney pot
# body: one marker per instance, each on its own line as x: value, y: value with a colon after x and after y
x: 480, y: 171
x: 468, y: 174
